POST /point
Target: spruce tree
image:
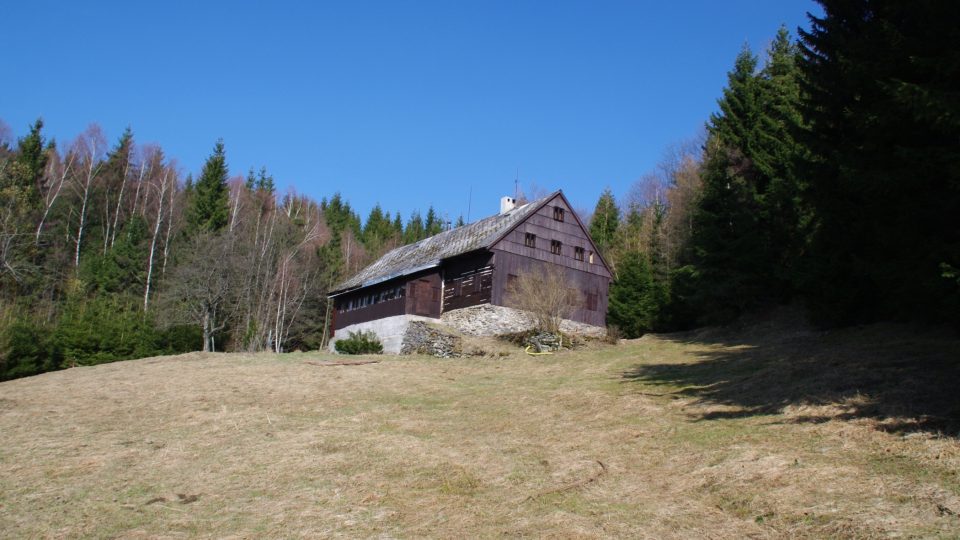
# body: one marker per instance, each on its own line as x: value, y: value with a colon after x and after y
x: 398, y: 225
x: 605, y: 221
x: 748, y: 225
x: 29, y: 165
x: 265, y: 183
x: 635, y: 299
x: 434, y: 223
x: 210, y: 209
x: 884, y: 166
x: 414, y: 232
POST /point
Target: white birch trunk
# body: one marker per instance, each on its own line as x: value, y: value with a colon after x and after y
x: 116, y: 215
x: 153, y: 240
x: 56, y: 193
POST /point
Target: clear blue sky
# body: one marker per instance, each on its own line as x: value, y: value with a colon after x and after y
x: 405, y: 103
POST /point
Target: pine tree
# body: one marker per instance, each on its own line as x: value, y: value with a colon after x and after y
x: 414, y: 232
x: 434, y: 223
x: 605, y: 221
x: 398, y: 225
x: 880, y: 81
x: 29, y: 165
x: 210, y: 209
x: 748, y: 225
x: 265, y: 183
x: 635, y: 299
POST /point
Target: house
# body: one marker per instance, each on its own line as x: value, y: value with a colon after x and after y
x: 472, y: 265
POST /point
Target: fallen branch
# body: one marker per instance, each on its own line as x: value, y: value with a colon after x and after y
x: 574, y: 485
x: 343, y: 363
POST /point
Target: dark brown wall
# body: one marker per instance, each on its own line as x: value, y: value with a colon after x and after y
x: 343, y: 318
x: 424, y: 294
x: 569, y: 232
x: 421, y: 297
x: 511, y: 264
x: 513, y: 257
x: 467, y: 280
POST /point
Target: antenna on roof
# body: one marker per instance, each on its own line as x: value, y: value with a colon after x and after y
x: 469, y: 202
x: 516, y: 185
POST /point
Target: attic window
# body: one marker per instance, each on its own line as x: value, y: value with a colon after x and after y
x: 578, y: 253
x: 556, y: 247
x: 591, y: 257
x: 530, y: 240
x: 558, y: 213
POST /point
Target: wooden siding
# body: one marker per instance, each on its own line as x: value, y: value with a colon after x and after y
x: 468, y: 281
x: 513, y: 257
x: 344, y: 315
x: 508, y: 264
x: 568, y: 232
x: 423, y: 295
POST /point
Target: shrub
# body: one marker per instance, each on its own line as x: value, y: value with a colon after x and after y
x: 359, y: 343
x: 25, y: 349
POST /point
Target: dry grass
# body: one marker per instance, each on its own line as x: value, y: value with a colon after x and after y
x: 249, y: 446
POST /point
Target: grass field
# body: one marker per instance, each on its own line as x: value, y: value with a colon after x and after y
x: 753, y: 432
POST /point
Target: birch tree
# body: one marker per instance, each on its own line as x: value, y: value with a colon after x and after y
x: 89, y: 147
x: 167, y: 182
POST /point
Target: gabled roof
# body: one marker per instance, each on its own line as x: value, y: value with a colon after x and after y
x: 428, y: 252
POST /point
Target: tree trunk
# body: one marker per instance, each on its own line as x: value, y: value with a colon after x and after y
x: 207, y: 331
x: 153, y: 241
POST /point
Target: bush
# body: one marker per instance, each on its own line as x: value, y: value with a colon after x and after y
x: 179, y: 339
x: 102, y: 329
x: 359, y: 343
x: 25, y: 349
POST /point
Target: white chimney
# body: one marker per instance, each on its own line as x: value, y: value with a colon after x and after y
x: 507, y: 204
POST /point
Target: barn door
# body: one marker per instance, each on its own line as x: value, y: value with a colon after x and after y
x: 423, y: 295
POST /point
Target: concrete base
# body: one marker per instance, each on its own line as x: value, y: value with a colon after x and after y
x: 390, y: 330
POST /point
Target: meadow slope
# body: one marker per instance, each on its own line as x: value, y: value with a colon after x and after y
x: 757, y: 433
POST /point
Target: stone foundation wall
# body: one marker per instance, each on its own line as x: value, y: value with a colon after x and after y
x: 482, y: 320
x: 490, y: 320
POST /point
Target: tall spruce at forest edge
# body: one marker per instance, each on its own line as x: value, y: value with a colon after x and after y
x: 881, y: 99
x: 209, y: 204
x: 605, y: 221
x: 749, y: 222
x: 635, y: 297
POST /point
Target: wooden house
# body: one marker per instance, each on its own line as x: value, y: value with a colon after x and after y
x: 472, y: 265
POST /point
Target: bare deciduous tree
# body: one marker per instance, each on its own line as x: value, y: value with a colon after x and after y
x: 202, y: 290
x: 545, y: 294
x: 167, y: 181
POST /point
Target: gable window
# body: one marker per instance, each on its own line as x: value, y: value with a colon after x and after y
x: 556, y: 247
x: 558, y: 213
x: 530, y: 240
x: 578, y: 253
x: 591, y: 257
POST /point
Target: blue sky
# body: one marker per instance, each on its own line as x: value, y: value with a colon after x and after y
x: 403, y: 103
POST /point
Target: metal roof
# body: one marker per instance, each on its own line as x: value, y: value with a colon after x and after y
x: 429, y: 252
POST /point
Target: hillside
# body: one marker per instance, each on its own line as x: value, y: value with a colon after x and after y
x: 761, y: 431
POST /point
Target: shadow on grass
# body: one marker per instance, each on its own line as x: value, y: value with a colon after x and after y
x: 904, y: 379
